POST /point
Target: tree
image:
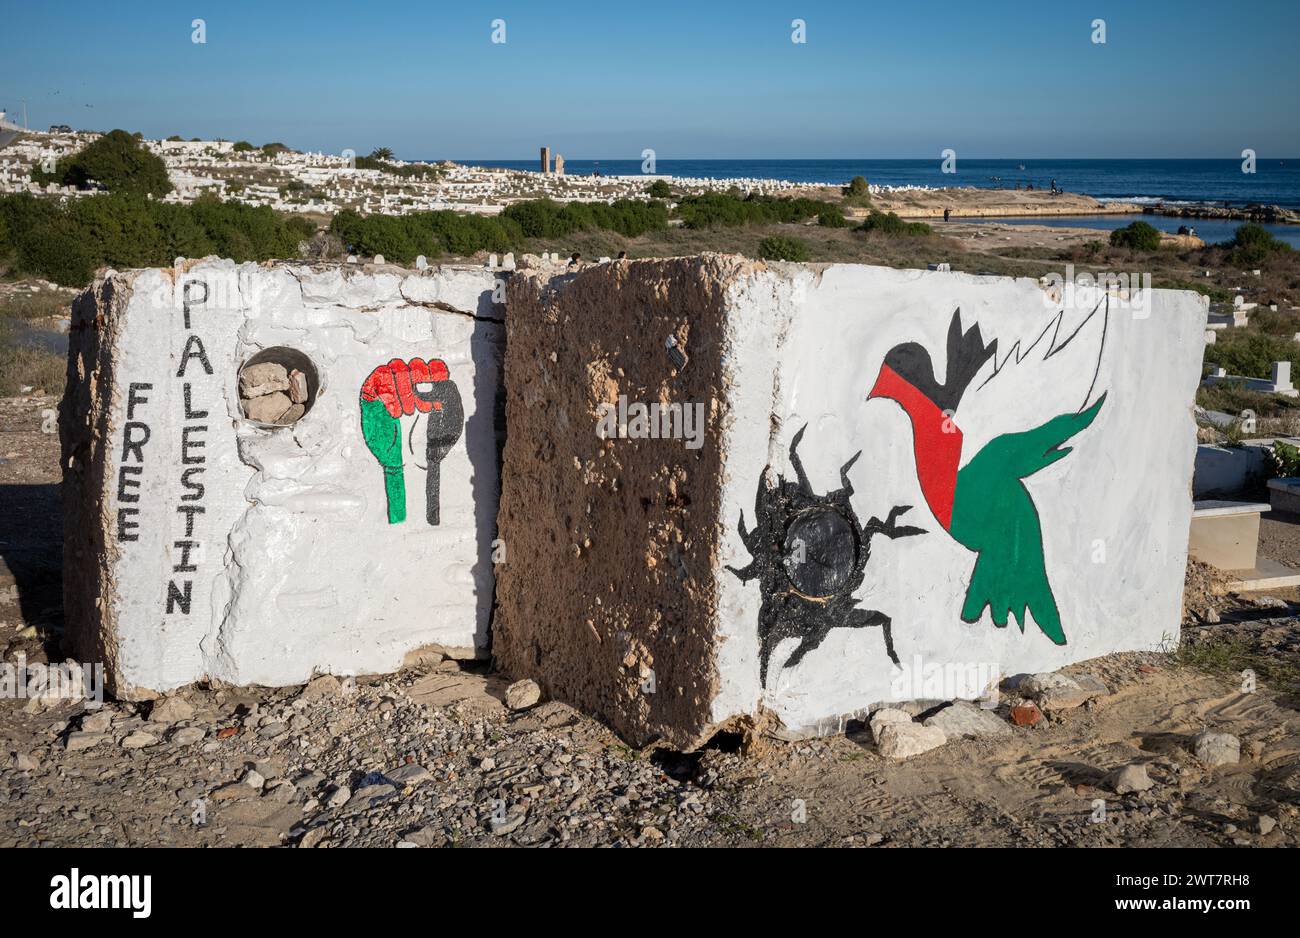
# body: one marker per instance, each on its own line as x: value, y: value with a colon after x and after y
x: 659, y: 189
x: 118, y: 163
x: 1138, y: 236
x: 381, y: 153
x: 243, y: 146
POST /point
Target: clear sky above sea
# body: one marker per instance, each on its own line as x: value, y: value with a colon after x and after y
x: 690, y: 80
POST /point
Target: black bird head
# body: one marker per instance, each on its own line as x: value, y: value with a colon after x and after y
x: 911, y: 363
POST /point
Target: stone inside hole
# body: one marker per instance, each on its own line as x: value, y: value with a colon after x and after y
x: 278, y: 386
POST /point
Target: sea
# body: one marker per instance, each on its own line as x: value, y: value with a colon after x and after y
x: 1145, y: 182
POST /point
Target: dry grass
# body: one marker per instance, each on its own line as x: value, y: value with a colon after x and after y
x: 23, y: 364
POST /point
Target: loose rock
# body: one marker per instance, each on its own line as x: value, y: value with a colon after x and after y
x: 904, y: 740
x: 1217, y: 748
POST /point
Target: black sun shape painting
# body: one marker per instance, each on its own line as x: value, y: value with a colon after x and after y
x: 809, y: 554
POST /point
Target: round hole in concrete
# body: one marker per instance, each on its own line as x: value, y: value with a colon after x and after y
x: 277, y: 386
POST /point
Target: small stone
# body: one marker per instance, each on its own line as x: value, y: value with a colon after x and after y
x: 1265, y: 824
x: 313, y: 837
x: 523, y: 694
x: 97, y: 722
x: 1026, y: 714
x: 501, y: 826
x: 77, y: 742
x: 268, y: 408
x: 187, y: 735
x: 262, y: 379
x: 884, y: 717
x: 1217, y: 748
x: 24, y: 762
x: 327, y: 685
x: 1054, y: 691
x: 1130, y: 778
x: 254, y: 779
x: 965, y: 719
x: 170, y: 710
x: 488, y: 764
x: 409, y: 774
x: 904, y: 740
x: 292, y: 415
x: 139, y: 740
x: 1211, y: 615
x: 340, y: 797
x: 297, y: 387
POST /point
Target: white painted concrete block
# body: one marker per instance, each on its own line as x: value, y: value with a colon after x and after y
x: 201, y: 544
x: 1003, y: 481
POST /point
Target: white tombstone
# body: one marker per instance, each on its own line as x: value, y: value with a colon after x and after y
x: 421, y: 263
x: 1282, y: 376
x: 379, y: 259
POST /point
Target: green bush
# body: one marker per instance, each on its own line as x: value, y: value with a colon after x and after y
x: 782, y: 248
x: 659, y: 189
x: 729, y: 209
x: 243, y: 146
x: 117, y: 162
x: 1285, y: 460
x: 544, y: 218
x: 1138, y: 236
x: 67, y: 242
x: 1252, y: 246
x: 1251, y: 354
x: 890, y: 224
x: 832, y: 217
x: 857, y: 187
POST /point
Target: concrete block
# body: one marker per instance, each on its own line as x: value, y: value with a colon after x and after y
x: 1225, y: 534
x: 200, y: 543
x: 850, y: 477
x: 1284, y: 495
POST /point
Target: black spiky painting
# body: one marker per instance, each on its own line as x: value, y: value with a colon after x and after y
x: 809, y: 553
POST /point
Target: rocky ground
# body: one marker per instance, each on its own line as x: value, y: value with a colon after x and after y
x: 1197, y: 747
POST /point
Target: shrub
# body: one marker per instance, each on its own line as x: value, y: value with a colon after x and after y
x: 1284, y: 459
x: 117, y: 162
x: 729, y: 209
x: 659, y: 189
x: 1252, y: 246
x: 1251, y: 354
x: 65, y: 243
x: 832, y: 217
x: 243, y: 146
x: 1138, y: 236
x: 890, y: 224
x: 782, y: 248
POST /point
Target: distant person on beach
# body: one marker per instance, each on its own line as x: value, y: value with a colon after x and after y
x: 1029, y: 187
x: 1054, y: 189
x: 946, y: 213
x: 575, y: 260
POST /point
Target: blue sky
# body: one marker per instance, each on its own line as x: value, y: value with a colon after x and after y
x: 690, y: 80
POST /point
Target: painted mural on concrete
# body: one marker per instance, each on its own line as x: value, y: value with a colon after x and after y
x: 256, y: 553
x: 405, y: 388
x: 809, y: 553
x: 984, y: 504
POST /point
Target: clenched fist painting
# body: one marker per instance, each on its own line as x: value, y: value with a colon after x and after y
x: 401, y: 389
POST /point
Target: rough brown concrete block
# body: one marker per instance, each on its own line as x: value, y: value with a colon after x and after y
x: 612, y: 546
